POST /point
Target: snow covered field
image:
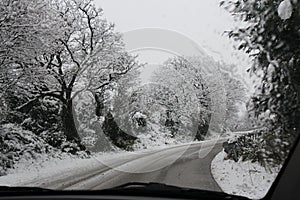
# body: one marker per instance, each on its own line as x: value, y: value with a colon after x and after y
x: 242, y: 178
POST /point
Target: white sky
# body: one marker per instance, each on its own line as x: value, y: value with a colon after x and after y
x: 201, y: 20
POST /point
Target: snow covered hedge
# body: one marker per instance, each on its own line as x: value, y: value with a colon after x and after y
x: 17, y: 143
x: 260, y: 146
x: 246, y: 147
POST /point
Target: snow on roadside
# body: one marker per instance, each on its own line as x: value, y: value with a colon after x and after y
x: 44, y: 169
x: 28, y: 171
x: 232, y: 135
x: 242, y: 178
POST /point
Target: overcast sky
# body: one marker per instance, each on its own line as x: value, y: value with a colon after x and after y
x: 201, y: 20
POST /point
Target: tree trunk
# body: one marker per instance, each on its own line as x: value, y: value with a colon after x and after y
x: 68, y: 120
x: 116, y: 135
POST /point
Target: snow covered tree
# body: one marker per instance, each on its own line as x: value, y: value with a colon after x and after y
x: 125, y: 103
x: 200, y: 83
x: 215, y: 91
x: 235, y: 98
x: 270, y: 35
x: 187, y: 95
x: 85, y: 54
x: 168, y: 102
x: 112, y: 105
x: 25, y: 28
x: 24, y: 36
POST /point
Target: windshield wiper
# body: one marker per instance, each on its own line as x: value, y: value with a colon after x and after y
x: 7, y: 189
x: 148, y: 186
x: 132, y: 189
x: 164, y: 190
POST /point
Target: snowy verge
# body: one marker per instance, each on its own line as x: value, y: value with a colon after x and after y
x: 32, y: 171
x: 242, y: 178
x: 27, y: 171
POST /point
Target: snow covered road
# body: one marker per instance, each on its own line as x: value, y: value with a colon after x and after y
x: 180, y: 165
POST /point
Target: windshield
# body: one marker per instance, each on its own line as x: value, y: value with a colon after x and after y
x: 195, y: 94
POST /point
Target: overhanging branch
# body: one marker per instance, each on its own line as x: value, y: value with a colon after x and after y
x: 29, y: 104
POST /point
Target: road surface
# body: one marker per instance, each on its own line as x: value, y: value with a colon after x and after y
x: 180, y: 165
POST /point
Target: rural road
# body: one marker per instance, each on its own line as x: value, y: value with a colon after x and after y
x: 180, y: 165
